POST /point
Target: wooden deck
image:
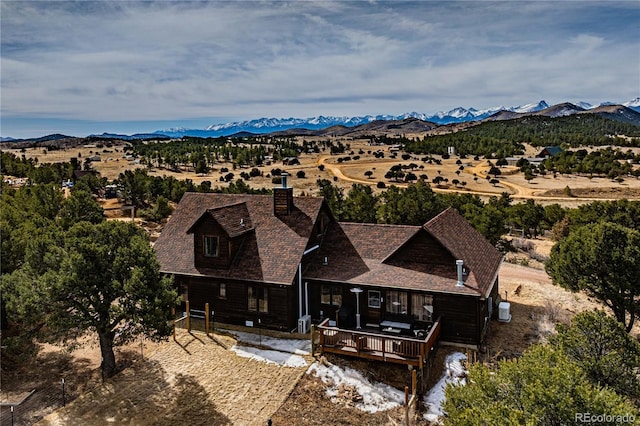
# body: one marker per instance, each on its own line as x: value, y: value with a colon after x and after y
x: 376, y: 345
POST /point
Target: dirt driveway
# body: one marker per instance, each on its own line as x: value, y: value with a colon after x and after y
x: 197, y: 378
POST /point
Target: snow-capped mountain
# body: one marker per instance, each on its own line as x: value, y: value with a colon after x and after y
x: 584, y: 105
x: 633, y: 104
x: 268, y: 125
x: 456, y: 115
x: 460, y: 114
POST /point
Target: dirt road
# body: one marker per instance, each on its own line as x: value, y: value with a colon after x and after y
x: 346, y: 172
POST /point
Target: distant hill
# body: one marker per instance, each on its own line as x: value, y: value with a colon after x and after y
x: 47, y: 138
x: 618, y: 113
x: 612, y: 112
x: 505, y: 137
x: 136, y: 136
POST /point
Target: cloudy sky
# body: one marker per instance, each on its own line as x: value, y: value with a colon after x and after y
x: 91, y: 67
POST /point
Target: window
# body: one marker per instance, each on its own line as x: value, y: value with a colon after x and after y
x: 258, y: 299
x: 223, y: 291
x: 397, y: 302
x: 374, y: 299
x: 331, y: 295
x: 211, y: 246
x: 422, y: 307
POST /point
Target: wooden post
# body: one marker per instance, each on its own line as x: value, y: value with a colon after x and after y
x: 406, y: 405
x: 173, y: 315
x: 313, y: 335
x: 206, y: 318
x: 414, y: 381
x: 188, y: 317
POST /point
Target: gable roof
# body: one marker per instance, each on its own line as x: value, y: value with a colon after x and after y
x: 466, y: 243
x: 363, y: 254
x: 550, y: 151
x: 234, y: 219
x: 357, y: 253
x: 269, y: 254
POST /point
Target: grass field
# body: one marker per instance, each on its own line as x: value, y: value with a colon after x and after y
x: 544, y: 189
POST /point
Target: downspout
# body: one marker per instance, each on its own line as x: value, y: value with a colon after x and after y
x: 306, y: 297
x: 300, y: 290
x: 306, y: 252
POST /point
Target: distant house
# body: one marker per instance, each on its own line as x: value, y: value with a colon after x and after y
x: 111, y: 191
x: 290, y: 161
x: 549, y: 151
x: 78, y: 174
x: 513, y: 161
x: 276, y: 260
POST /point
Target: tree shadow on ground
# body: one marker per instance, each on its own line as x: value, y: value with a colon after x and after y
x: 142, y: 394
x: 44, y: 374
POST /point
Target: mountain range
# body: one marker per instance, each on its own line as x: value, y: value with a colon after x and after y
x: 417, y: 121
x: 456, y: 115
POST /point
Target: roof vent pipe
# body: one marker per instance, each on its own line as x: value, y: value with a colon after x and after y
x: 283, y: 177
x: 459, y: 264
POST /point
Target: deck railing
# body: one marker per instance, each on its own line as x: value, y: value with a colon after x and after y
x: 377, y: 345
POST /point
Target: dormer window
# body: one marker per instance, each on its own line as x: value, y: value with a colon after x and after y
x: 210, y: 246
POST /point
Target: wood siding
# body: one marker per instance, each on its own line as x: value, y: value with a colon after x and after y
x: 423, y: 248
x: 210, y: 227
x: 459, y: 318
x: 234, y: 308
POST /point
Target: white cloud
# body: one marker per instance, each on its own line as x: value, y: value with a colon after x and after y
x: 174, y: 60
x: 587, y: 42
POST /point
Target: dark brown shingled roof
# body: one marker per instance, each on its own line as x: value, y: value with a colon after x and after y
x: 359, y: 254
x: 271, y: 253
x: 234, y: 219
x: 464, y: 242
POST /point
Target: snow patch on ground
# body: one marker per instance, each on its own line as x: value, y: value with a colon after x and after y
x: 284, y: 359
x: 294, y: 346
x: 454, y: 373
x: 375, y: 396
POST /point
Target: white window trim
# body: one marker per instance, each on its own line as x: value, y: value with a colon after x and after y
x: 379, y: 299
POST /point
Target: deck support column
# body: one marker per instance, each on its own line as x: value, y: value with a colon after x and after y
x: 188, y: 317
x: 206, y: 317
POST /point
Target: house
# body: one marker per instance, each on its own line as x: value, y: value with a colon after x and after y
x: 290, y: 161
x: 549, y: 151
x: 79, y: 174
x: 275, y: 259
x: 534, y: 161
